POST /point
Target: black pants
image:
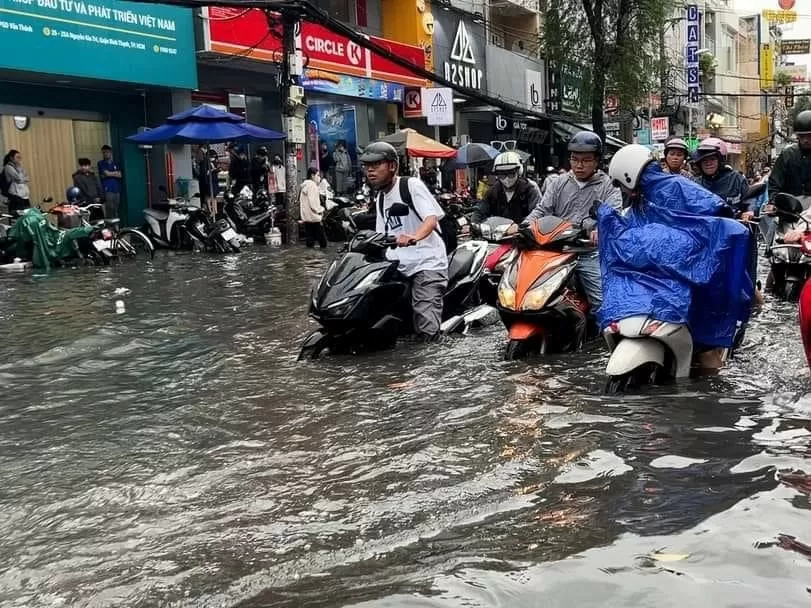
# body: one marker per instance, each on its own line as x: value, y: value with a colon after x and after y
x: 15, y: 203
x: 314, y: 231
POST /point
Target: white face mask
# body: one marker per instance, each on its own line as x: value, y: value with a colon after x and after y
x: 508, y: 181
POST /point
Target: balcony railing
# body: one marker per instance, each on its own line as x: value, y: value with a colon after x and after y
x: 515, y: 7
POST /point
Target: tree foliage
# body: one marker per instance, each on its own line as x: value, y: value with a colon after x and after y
x: 618, y: 39
x: 801, y: 103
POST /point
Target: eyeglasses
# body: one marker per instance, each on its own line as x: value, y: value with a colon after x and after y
x: 505, y: 146
x: 581, y: 162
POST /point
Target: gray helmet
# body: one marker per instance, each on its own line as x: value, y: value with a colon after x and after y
x: 378, y: 151
x: 586, y: 141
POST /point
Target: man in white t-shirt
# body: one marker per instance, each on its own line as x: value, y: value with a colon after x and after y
x: 420, y: 249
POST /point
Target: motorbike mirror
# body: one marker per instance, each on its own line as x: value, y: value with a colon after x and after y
x: 787, y: 202
x: 399, y: 210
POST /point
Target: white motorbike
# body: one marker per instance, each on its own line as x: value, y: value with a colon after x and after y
x: 645, y: 350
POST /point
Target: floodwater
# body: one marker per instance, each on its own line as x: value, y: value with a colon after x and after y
x: 178, y: 455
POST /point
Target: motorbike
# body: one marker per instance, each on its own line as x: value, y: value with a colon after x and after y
x: 537, y: 302
x: 499, y: 254
x: 364, y: 303
x: 178, y: 225
x: 790, y: 262
x: 805, y: 320
x: 339, y: 224
x: 252, y: 220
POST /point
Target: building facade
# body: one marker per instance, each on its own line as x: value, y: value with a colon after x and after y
x: 76, y: 76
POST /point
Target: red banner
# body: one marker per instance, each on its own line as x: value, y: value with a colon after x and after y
x: 234, y: 31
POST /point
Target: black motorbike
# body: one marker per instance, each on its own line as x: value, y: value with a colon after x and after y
x: 790, y: 262
x: 364, y: 303
x: 253, y: 219
x: 339, y: 224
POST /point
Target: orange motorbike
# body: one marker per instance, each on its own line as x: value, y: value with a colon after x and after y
x: 537, y: 301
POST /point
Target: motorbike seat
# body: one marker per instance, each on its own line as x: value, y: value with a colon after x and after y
x: 156, y: 214
x: 460, y: 264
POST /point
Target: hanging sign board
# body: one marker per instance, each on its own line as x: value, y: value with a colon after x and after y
x: 437, y: 106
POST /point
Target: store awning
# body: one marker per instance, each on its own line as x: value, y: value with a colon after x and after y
x: 410, y: 142
x: 565, y: 131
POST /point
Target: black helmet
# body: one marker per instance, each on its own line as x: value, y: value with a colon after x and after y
x: 802, y: 123
x: 378, y: 151
x: 262, y: 151
x: 586, y: 141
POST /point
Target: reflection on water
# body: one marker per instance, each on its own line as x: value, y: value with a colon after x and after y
x: 178, y: 455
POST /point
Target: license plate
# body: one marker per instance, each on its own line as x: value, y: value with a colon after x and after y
x: 229, y: 234
x: 101, y: 245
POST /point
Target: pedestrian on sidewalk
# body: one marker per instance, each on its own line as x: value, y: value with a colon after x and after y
x: 311, y: 210
x: 343, y: 167
x: 15, y: 182
x: 110, y: 174
x: 277, y: 169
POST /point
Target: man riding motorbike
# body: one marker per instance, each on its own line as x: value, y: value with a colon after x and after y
x: 512, y: 195
x: 676, y: 152
x: 716, y: 302
x: 721, y: 179
x: 572, y: 196
x: 791, y: 174
x: 421, y: 251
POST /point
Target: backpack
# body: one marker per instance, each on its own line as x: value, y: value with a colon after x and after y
x: 446, y: 227
x: 4, y: 183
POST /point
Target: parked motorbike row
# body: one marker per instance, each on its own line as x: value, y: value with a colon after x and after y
x: 78, y: 234
x: 363, y: 303
x: 177, y: 224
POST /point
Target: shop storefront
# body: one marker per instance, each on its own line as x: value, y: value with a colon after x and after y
x: 353, y: 95
x: 521, y: 81
x: 74, y: 77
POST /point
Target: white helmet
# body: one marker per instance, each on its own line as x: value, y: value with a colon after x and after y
x: 506, y: 162
x: 628, y: 163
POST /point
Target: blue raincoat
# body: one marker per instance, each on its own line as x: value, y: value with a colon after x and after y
x: 673, y: 258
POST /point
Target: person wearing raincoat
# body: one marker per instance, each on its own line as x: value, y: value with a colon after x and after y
x: 674, y: 256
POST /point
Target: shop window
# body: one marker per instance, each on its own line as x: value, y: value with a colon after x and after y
x: 88, y: 138
x: 342, y: 10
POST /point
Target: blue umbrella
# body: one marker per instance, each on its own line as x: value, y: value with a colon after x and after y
x: 474, y: 154
x: 205, y: 124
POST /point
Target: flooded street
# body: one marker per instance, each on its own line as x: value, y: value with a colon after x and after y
x: 178, y: 455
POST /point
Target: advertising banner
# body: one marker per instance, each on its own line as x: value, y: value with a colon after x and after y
x: 349, y: 86
x: 329, y: 123
x: 659, y: 128
x: 437, y: 106
x: 766, y: 66
x: 104, y: 39
x: 691, y: 53
x: 234, y: 31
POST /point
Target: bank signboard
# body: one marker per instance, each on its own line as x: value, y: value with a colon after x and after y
x: 235, y: 31
x: 103, y: 39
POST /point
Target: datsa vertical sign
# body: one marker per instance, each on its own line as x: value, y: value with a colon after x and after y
x: 691, y: 53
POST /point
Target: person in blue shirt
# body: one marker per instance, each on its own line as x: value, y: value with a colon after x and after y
x: 721, y: 179
x: 110, y: 175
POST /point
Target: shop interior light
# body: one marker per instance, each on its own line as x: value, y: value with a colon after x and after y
x: 459, y: 100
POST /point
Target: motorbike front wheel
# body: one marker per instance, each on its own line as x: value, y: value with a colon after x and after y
x: 645, y: 375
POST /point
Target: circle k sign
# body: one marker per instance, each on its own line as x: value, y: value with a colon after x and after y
x: 412, y: 103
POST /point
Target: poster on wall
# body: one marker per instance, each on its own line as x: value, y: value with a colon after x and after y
x: 334, y: 122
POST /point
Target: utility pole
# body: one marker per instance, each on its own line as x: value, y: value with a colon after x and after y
x: 294, y: 111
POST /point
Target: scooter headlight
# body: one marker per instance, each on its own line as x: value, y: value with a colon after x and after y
x: 506, y: 287
x: 543, y: 289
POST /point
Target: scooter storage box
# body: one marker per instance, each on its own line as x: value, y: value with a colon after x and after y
x: 68, y: 220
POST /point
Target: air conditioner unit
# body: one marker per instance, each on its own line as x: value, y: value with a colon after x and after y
x: 454, y: 140
x: 464, y: 140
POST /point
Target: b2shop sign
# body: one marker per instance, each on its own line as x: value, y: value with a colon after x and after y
x: 459, y: 50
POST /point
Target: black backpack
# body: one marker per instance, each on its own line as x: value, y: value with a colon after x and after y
x: 446, y: 228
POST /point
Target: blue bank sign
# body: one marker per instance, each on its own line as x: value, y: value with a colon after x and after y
x: 106, y: 39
